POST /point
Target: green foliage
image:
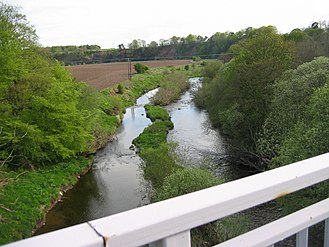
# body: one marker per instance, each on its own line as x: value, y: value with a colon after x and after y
x: 27, y: 195
x: 309, y: 136
x: 140, y: 68
x: 196, y: 59
x: 159, y: 162
x: 156, y: 113
x: 171, y: 87
x: 237, y: 94
x: 47, y: 125
x: 153, y: 135
x: 187, y: 67
x: 120, y: 88
x: 185, y: 181
x: 291, y: 97
x: 143, y: 83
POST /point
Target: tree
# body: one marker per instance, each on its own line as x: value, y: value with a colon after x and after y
x: 240, y: 94
x: 41, y: 119
x: 290, y: 98
x: 153, y: 44
x: 134, y: 45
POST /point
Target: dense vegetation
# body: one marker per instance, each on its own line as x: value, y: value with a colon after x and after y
x: 271, y: 99
x: 169, y: 177
x: 49, y: 125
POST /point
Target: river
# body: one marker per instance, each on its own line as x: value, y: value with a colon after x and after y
x: 115, y: 183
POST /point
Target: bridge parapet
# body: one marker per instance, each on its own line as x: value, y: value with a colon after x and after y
x: 168, y: 223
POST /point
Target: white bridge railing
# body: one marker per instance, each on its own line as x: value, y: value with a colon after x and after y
x: 168, y: 223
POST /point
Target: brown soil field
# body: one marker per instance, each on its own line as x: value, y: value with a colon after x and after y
x: 100, y: 76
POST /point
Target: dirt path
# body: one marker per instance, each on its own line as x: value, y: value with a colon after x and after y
x: 103, y: 75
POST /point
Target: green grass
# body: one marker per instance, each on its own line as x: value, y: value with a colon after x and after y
x: 156, y: 113
x: 27, y: 195
x: 171, y: 87
x: 153, y: 136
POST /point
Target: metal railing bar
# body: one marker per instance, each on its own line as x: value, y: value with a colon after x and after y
x: 326, y: 233
x: 182, y: 239
x: 160, y: 220
x: 282, y: 228
x: 302, y: 238
x: 79, y: 235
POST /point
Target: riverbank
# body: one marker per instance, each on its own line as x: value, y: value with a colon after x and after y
x: 26, y: 195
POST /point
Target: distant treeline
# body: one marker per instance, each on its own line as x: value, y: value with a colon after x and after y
x: 312, y: 41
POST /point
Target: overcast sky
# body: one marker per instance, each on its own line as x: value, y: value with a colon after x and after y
x: 109, y: 23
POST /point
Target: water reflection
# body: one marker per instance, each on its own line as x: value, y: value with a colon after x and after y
x: 198, y: 142
x: 114, y: 184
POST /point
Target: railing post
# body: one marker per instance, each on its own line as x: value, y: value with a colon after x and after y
x: 182, y: 239
x: 326, y: 232
x: 302, y: 238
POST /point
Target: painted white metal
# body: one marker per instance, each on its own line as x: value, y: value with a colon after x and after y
x: 79, y: 235
x: 179, y: 240
x: 326, y: 233
x: 302, y: 238
x: 282, y: 228
x: 158, y: 221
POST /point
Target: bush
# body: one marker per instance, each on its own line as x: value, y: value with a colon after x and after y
x: 120, y: 89
x: 171, y: 87
x: 156, y: 113
x: 159, y: 163
x: 196, y: 59
x: 185, y: 181
x: 140, y: 68
x: 153, y: 135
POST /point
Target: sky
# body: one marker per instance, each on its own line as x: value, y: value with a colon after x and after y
x: 109, y: 23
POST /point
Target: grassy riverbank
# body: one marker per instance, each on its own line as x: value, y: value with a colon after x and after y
x: 28, y: 193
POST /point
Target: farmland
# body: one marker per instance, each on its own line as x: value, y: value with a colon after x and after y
x: 100, y: 76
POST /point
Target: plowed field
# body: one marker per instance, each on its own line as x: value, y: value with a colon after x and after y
x: 103, y: 75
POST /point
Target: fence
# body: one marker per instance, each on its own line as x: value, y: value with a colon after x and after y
x: 168, y: 223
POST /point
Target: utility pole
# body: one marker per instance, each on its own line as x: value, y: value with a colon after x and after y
x: 129, y: 69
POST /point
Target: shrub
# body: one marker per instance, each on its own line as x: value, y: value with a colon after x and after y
x: 156, y: 113
x: 185, y: 181
x: 140, y: 68
x: 159, y: 163
x: 171, y: 87
x: 120, y: 89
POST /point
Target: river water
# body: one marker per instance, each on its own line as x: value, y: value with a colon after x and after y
x: 115, y: 183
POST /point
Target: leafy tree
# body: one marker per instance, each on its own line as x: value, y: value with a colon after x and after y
x: 291, y: 96
x: 41, y: 117
x: 309, y: 136
x: 239, y: 94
